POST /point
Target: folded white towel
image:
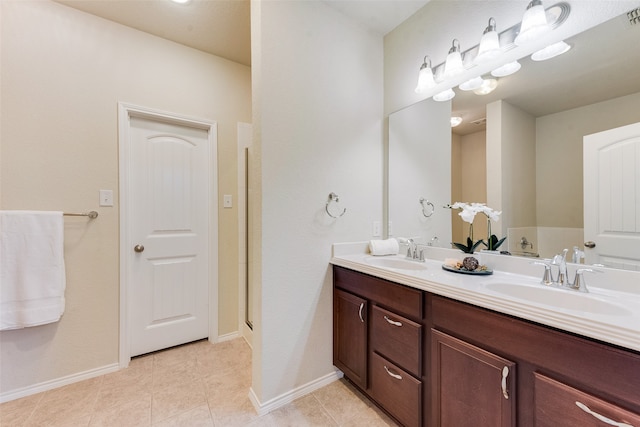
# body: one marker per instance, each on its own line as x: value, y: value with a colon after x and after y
x: 32, y: 276
x: 384, y: 247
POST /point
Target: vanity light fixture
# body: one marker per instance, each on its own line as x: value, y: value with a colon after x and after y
x: 551, y: 51
x: 455, y: 121
x: 488, y: 86
x: 534, y: 23
x: 445, y: 95
x: 472, y: 84
x: 489, y: 47
x: 425, y: 76
x: 453, y: 65
x: 506, y: 69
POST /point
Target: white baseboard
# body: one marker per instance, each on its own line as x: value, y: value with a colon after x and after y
x: 58, y: 382
x: 228, y: 337
x: 290, y: 396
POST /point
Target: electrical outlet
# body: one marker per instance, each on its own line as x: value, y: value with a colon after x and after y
x: 376, y: 229
x: 106, y: 197
x: 389, y: 229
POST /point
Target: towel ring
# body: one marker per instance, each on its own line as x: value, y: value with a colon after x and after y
x: 424, y: 212
x: 333, y: 197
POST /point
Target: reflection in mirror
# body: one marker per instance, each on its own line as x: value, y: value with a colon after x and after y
x: 531, y: 168
x: 419, y: 156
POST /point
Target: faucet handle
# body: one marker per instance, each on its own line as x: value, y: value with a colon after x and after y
x: 546, y: 279
x: 579, y: 283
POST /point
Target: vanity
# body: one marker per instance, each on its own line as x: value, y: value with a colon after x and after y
x: 434, y: 348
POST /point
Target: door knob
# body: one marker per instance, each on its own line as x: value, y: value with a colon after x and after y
x: 590, y: 244
x: 138, y: 248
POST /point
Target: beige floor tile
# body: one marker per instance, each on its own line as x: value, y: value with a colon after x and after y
x: 174, y: 400
x: 135, y: 412
x: 67, y: 404
x: 175, y: 355
x: 197, y: 417
x: 16, y: 412
x: 235, y: 410
x: 304, y: 412
x: 341, y: 401
x: 116, y: 394
x: 177, y: 374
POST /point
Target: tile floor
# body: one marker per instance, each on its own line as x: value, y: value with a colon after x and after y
x: 197, y: 384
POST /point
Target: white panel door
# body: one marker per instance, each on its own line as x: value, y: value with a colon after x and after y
x: 168, y: 236
x: 612, y: 197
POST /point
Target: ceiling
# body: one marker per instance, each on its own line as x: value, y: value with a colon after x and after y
x: 223, y: 27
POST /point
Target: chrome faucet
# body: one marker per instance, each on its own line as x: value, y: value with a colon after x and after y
x: 412, y: 251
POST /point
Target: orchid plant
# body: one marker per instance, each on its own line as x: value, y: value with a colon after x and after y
x: 468, y: 213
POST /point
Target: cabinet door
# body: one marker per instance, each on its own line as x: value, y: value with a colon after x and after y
x: 559, y: 405
x: 470, y: 386
x: 350, y: 336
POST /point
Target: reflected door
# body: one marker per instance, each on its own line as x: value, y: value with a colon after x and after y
x: 612, y: 197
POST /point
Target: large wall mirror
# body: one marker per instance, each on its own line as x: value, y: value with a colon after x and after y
x: 520, y: 148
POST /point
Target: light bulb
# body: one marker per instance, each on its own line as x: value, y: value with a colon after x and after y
x: 453, y: 65
x: 489, y: 44
x: 534, y: 23
x: 445, y: 95
x: 551, y: 51
x: 425, y: 77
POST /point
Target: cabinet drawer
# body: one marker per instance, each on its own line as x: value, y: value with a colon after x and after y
x: 396, y: 390
x: 397, y: 338
x: 399, y: 298
x: 559, y: 405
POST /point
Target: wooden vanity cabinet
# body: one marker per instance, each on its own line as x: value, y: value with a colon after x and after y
x: 393, y: 320
x: 555, y: 369
x: 435, y: 362
x: 350, y: 336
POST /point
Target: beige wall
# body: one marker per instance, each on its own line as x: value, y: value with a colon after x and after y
x: 317, y: 129
x: 63, y: 73
x: 559, y: 172
x: 511, y: 165
x: 474, y: 179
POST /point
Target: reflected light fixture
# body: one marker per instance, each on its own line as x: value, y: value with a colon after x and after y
x: 472, y: 84
x: 453, y: 65
x: 445, y: 95
x: 455, y: 121
x: 506, y: 69
x: 181, y: 1
x: 488, y: 86
x: 425, y: 76
x: 551, y: 51
x: 489, y: 47
x: 534, y: 23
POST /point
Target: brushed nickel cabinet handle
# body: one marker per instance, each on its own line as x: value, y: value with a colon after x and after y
x: 391, y: 374
x: 602, y: 418
x: 392, y: 322
x: 360, y: 312
x: 505, y: 374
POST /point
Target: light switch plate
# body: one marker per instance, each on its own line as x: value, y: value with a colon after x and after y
x: 106, y: 197
x: 227, y: 201
x: 376, y: 229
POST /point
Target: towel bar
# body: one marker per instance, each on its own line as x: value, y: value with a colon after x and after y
x: 91, y: 214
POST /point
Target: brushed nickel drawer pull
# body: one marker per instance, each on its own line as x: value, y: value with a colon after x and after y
x: 396, y: 376
x: 602, y: 418
x: 360, y: 312
x: 394, y: 323
x: 505, y: 374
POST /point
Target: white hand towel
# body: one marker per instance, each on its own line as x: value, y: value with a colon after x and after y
x: 32, y: 276
x: 384, y: 247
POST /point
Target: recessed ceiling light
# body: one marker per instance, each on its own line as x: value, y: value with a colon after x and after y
x: 455, y: 121
x: 487, y: 87
x: 181, y: 1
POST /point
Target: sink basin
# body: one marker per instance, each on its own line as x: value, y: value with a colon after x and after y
x: 559, y: 298
x: 396, y: 263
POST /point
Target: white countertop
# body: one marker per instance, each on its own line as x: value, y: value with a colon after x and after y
x: 619, y: 324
